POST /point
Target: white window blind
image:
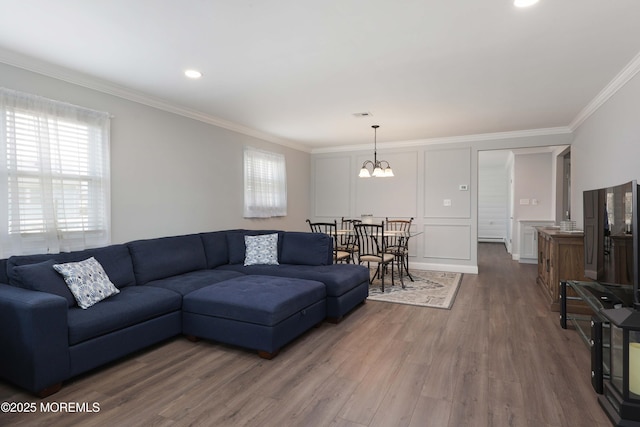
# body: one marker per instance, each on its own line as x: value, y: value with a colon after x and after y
x: 265, y: 184
x: 54, y: 175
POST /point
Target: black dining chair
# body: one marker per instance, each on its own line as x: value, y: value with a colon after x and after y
x: 371, y: 244
x: 398, y: 233
x: 347, y: 239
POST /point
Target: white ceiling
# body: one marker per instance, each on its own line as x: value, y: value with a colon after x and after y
x: 297, y: 70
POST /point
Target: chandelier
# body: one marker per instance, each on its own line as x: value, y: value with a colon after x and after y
x: 380, y: 168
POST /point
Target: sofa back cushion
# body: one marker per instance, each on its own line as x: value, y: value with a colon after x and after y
x: 115, y: 260
x: 215, y: 248
x: 237, y: 248
x: 306, y: 248
x: 3, y: 271
x: 166, y: 256
x: 41, y: 276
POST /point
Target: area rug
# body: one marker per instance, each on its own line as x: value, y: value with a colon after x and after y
x: 435, y: 289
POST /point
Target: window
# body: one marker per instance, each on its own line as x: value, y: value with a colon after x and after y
x: 265, y: 184
x: 54, y: 176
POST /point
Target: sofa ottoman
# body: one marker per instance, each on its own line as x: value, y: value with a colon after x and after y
x: 258, y: 312
x: 347, y: 284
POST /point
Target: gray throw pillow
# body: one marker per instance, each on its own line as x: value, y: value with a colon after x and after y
x: 261, y: 249
x: 87, y: 281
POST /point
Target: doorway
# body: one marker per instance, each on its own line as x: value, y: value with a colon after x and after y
x: 494, y: 196
x: 521, y: 185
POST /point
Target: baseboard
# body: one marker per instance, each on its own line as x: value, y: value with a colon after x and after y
x: 521, y: 260
x: 491, y: 239
x: 453, y: 268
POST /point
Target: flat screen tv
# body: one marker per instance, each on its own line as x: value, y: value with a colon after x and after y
x: 611, y: 252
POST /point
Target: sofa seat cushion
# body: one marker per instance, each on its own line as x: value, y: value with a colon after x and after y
x: 262, y: 300
x: 189, y: 282
x: 133, y: 305
x: 338, y: 278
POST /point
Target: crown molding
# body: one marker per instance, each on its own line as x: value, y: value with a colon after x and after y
x: 448, y: 140
x: 627, y: 73
x: 80, y: 79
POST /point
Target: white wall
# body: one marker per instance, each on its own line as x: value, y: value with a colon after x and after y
x: 171, y: 174
x: 533, y: 195
x: 606, y: 147
x: 426, y: 175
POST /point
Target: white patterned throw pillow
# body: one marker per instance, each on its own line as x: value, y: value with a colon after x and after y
x: 87, y: 281
x: 262, y: 249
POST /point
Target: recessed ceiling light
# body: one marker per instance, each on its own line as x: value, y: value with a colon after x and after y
x: 524, y: 3
x: 193, y: 74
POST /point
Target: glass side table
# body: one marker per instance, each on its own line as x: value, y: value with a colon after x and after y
x: 598, y: 297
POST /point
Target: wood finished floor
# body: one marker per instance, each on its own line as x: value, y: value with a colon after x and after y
x: 497, y: 358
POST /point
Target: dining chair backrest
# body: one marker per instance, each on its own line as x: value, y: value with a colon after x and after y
x: 397, y: 229
x: 347, y: 238
x: 347, y: 224
x: 398, y: 224
x: 329, y: 228
x: 371, y: 240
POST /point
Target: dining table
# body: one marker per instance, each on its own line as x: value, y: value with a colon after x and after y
x: 404, y: 237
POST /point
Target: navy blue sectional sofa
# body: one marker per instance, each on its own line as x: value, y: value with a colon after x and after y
x: 196, y: 285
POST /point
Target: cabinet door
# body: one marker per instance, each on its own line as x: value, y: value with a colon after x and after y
x: 541, y: 255
x: 553, y: 277
x: 529, y: 244
x: 546, y: 268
